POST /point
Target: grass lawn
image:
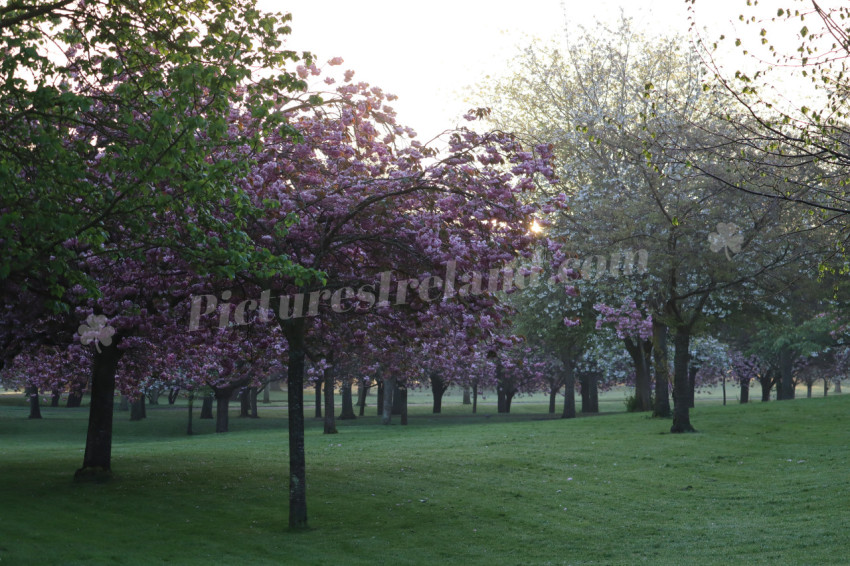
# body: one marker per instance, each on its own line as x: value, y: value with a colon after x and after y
x: 759, y: 484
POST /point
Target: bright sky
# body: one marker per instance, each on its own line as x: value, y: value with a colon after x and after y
x: 429, y: 53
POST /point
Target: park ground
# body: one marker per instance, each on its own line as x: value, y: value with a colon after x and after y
x: 763, y: 483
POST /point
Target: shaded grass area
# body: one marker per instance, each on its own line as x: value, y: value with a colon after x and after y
x: 760, y: 484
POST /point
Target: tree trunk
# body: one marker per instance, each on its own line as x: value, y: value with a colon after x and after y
x: 569, y: 391
x: 32, y: 395
x: 172, y: 395
x: 387, y: 408
x: 681, y: 381
x: 809, y: 385
x: 153, y: 395
x: 438, y: 389
x: 380, y: 403
x: 692, y: 384
x: 244, y: 403
x: 766, y: 385
x: 362, y: 392
x: 786, y: 382
x: 191, y: 403
x: 662, y: 370
x: 137, y: 409
x: 397, y: 400
x: 97, y: 461
x: 467, y: 398
x: 723, y: 387
x: 330, y: 413
x: 56, y: 395
x: 267, y: 396
x: 124, y: 404
x: 402, y: 393
x: 589, y: 392
x: 318, y: 392
x: 554, y: 387
x: 222, y: 405
x: 474, y: 398
x: 825, y: 387
x: 206, y: 407
x: 295, y: 330
x: 75, y: 398
x: 500, y: 399
x: 837, y: 386
x: 509, y: 397
x: 253, y: 392
x: 640, y: 351
x: 745, y: 390
x: 347, y: 401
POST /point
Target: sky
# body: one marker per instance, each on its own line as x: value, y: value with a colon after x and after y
x: 431, y: 53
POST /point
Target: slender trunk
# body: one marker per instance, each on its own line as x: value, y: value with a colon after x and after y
x: 347, y: 401
x: 55, y: 396
x: 662, y: 370
x: 837, y: 386
x: 244, y: 403
x: 474, y: 398
x: 467, y: 399
x: 137, y: 409
x: 397, y: 404
x: 402, y: 391
x: 387, y: 408
x: 809, y: 385
x: 75, y: 398
x: 569, y: 391
x: 222, y: 405
x: 207, y: 406
x: 362, y: 391
x: 438, y: 389
x: 681, y: 381
x: 191, y: 403
x: 786, y: 382
x: 35, y: 407
x: 554, y: 387
x: 509, y: 397
x: 500, y: 399
x: 295, y: 332
x: 97, y: 461
x: 172, y: 395
x: 723, y: 387
x: 825, y: 387
x: 330, y: 413
x: 253, y: 392
x: 380, y: 404
x: 318, y: 392
x: 267, y: 396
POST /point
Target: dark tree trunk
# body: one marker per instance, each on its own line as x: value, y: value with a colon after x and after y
x: 124, y: 404
x: 554, y: 387
x: 825, y: 387
x: 837, y: 386
x: 267, y: 396
x: 362, y: 392
x: 222, y: 405
x: 474, y: 398
x: 244, y: 403
x: 809, y: 385
x: 207, y: 407
x: 402, y: 394
x: 681, y: 381
x: 397, y: 404
x: 97, y: 461
x: 509, y: 397
x: 589, y: 392
x: 786, y: 382
x: 380, y: 383
x: 347, y: 413
x: 191, y: 403
x: 745, y: 390
x: 172, y: 395
x: 692, y: 384
x: 75, y: 398
x: 138, y: 411
x: 318, y: 392
x: 640, y: 351
x: 766, y: 385
x: 253, y: 392
x: 467, y: 395
x: 662, y: 370
x: 153, y: 395
x: 330, y: 413
x: 32, y: 395
x: 500, y: 399
x: 438, y: 389
x: 387, y: 406
x: 295, y: 330
x: 723, y: 388
x: 56, y: 395
x: 569, y: 391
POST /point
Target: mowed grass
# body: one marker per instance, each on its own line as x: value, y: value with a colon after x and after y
x: 759, y: 484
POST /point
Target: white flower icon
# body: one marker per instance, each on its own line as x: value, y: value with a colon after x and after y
x: 96, y: 330
x: 727, y: 238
